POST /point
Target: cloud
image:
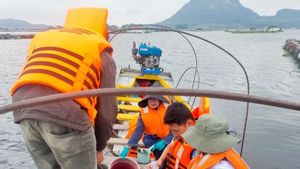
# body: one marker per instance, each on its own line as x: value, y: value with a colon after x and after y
x: 270, y: 7
x: 120, y: 11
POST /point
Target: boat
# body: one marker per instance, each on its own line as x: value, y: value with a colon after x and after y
x: 129, y: 78
x: 292, y: 48
x: 8, y: 36
x: 132, y: 83
x: 269, y: 29
x: 150, y: 74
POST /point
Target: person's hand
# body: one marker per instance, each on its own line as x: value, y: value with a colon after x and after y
x: 100, y: 156
x: 159, y: 146
x: 124, y: 152
x: 159, y: 162
x: 149, y: 166
x: 153, y: 165
x: 134, y: 51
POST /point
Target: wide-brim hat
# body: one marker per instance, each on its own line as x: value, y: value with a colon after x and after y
x: 210, y: 135
x: 144, y: 102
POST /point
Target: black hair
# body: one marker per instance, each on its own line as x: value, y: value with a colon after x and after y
x: 177, y: 113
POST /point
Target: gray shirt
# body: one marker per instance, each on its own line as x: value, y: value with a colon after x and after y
x: 69, y: 113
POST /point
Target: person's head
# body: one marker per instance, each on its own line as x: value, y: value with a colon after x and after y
x: 92, y: 19
x: 210, y: 135
x: 153, y: 101
x: 178, y: 117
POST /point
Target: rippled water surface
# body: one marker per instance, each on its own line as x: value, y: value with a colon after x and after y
x: 273, y: 134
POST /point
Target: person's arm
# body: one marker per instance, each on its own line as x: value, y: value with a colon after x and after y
x: 106, y: 105
x: 168, y: 138
x: 137, y: 134
x: 160, y: 161
x: 134, y: 138
x: 164, y: 155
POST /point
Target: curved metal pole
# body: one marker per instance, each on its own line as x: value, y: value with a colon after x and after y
x: 150, y: 90
x: 186, y: 70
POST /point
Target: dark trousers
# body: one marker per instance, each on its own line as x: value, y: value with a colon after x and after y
x: 149, y: 140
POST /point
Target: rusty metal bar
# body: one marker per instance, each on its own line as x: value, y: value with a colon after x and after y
x: 151, y: 90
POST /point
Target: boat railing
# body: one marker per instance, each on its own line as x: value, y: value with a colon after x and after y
x: 151, y: 90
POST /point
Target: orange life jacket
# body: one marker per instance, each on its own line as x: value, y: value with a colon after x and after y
x: 68, y: 59
x: 179, y: 155
x: 154, y: 121
x: 203, y: 108
x: 209, y: 160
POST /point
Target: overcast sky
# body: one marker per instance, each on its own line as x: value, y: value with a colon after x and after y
x: 52, y: 12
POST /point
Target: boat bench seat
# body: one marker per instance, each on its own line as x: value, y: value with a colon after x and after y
x: 127, y: 117
x: 120, y: 127
x: 129, y: 99
x: 121, y: 141
x: 129, y: 108
x: 120, y: 86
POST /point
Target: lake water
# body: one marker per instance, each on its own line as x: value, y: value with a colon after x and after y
x: 273, y: 134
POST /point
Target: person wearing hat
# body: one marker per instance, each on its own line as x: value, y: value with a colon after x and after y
x: 151, y: 125
x: 214, y: 144
x: 70, y: 134
x: 178, y: 153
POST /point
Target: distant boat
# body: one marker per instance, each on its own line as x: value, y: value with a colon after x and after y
x: 7, y: 36
x: 273, y: 29
x: 138, y: 30
x: 269, y: 29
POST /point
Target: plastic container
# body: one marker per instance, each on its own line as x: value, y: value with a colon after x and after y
x: 127, y: 163
x: 143, y: 156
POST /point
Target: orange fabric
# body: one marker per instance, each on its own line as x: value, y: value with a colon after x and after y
x: 203, y: 108
x: 66, y: 60
x: 230, y: 155
x: 154, y: 121
x: 132, y: 126
x: 133, y: 153
x: 179, y: 155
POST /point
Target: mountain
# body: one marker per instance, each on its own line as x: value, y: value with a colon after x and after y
x: 20, y: 24
x: 284, y: 18
x: 228, y: 13
x: 15, y: 24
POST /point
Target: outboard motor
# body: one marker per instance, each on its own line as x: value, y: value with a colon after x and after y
x: 148, y: 57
